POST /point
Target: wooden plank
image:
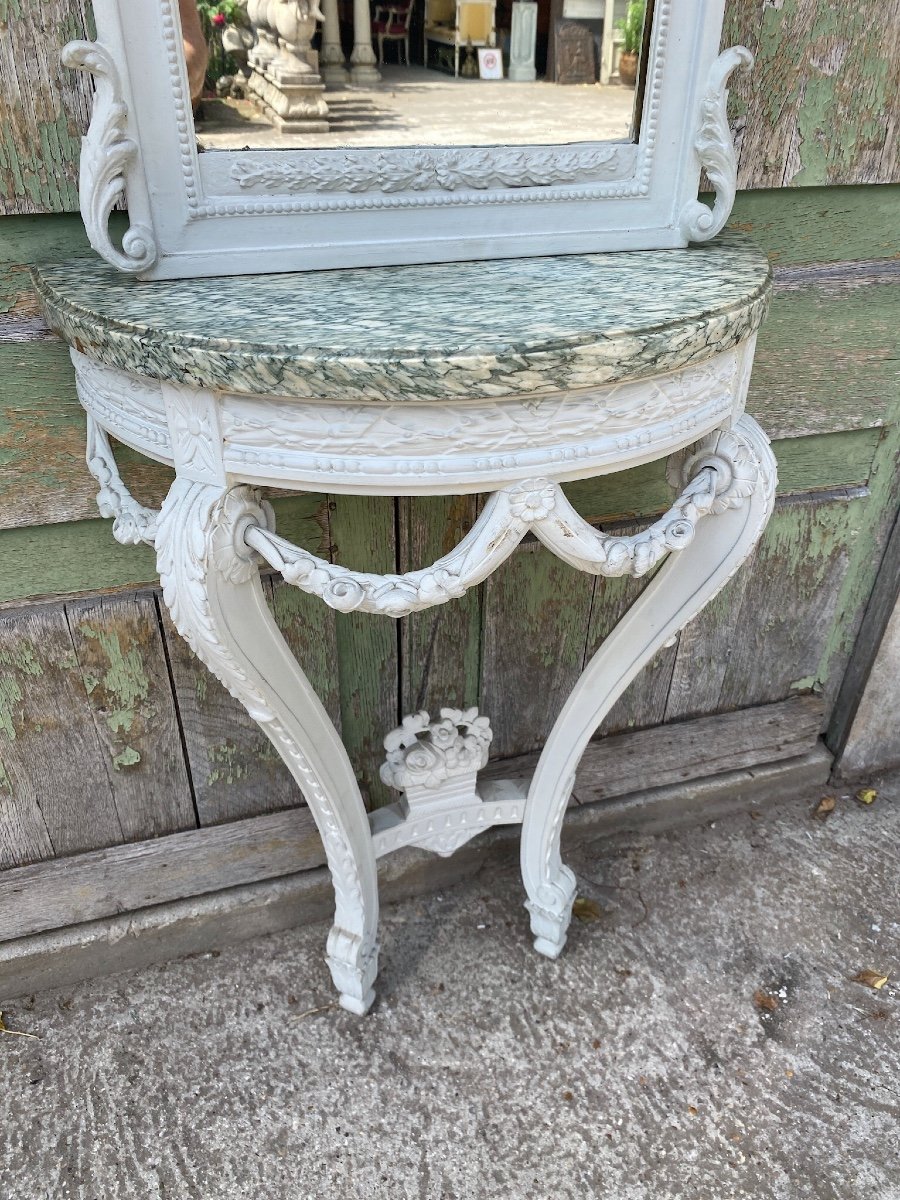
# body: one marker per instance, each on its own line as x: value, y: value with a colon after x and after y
x: 122, y: 664
x: 308, y: 627
x: 439, y: 648
x: 873, y: 741
x: 363, y: 536
x: 789, y: 602
x: 45, y: 106
x: 124, y: 878
x: 643, y: 702
x: 235, y: 770
x: 815, y: 339
x: 877, y: 645
x: 622, y: 763
x: 53, y: 762
x: 535, y: 621
x: 704, y: 648
x: 821, y: 103
x: 27, y: 240
x: 43, y: 477
x: 63, y: 893
x: 870, y: 536
x: 820, y: 225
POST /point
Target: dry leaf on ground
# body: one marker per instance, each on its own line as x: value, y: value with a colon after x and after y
x: 872, y: 979
x: 765, y: 1000
x: 586, y: 910
x: 866, y: 795
x: 824, y: 807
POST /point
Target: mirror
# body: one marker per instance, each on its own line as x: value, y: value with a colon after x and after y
x: 295, y: 74
x: 373, y: 132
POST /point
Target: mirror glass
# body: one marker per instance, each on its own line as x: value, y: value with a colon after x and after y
x: 331, y: 74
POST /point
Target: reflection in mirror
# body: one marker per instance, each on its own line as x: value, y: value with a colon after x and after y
x: 283, y: 74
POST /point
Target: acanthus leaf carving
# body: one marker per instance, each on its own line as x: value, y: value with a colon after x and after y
x: 106, y: 154
x: 199, y: 545
x: 421, y: 170
x: 715, y: 149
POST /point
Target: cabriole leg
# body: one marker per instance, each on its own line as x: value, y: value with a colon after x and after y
x: 211, y: 585
x: 687, y: 582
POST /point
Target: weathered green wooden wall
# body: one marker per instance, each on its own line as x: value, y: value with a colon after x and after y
x: 110, y: 733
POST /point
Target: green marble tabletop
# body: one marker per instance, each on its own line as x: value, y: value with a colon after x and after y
x: 450, y: 331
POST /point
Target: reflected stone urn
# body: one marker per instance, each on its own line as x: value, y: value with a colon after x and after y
x: 285, y: 79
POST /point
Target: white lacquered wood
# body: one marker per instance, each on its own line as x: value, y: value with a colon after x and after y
x: 476, y: 401
x: 675, y: 596
x: 247, y: 211
x: 212, y: 589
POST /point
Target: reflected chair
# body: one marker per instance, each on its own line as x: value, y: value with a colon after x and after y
x: 391, y: 23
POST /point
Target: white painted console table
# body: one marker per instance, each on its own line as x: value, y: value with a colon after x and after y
x: 505, y: 378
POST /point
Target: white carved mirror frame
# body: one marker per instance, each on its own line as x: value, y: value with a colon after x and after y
x: 254, y: 211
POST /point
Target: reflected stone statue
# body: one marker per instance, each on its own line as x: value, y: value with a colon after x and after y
x: 521, y: 41
x: 284, y: 68
x: 575, y: 57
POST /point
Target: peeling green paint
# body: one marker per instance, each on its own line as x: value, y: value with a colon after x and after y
x: 229, y: 766
x: 125, y: 682
x: 23, y: 659
x: 127, y: 758
x: 10, y: 699
x: 807, y: 684
x: 201, y: 686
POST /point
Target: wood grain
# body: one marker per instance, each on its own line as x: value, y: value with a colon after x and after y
x: 363, y: 536
x: 45, y: 107
x: 126, y: 878
x: 622, y: 763
x: 123, y: 878
x: 53, y: 761
x: 535, y: 621
x: 122, y: 663
x: 821, y: 103
x: 819, y: 108
x: 439, y: 648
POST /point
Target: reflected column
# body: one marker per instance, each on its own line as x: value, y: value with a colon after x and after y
x: 331, y: 56
x: 362, y: 60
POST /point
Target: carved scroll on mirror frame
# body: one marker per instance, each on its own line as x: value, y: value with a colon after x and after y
x: 237, y: 211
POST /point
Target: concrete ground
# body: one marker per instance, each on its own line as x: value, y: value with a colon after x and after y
x: 701, y: 1038
x: 413, y: 106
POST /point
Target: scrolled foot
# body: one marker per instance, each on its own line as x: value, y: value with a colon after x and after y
x: 354, y: 967
x: 551, y: 913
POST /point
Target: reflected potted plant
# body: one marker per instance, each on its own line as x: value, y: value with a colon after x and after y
x: 630, y: 31
x: 221, y: 21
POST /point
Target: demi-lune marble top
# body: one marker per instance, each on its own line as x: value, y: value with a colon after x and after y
x: 460, y: 330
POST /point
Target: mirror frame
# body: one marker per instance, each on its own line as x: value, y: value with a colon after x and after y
x: 230, y: 212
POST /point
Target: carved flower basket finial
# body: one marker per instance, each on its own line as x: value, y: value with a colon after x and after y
x: 436, y: 762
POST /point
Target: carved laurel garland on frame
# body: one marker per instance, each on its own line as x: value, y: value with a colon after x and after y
x: 715, y: 149
x: 420, y: 170
x: 106, y: 153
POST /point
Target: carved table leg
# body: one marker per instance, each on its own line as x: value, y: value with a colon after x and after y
x: 684, y: 585
x: 211, y: 586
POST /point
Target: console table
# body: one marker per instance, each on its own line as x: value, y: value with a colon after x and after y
x: 507, y: 378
